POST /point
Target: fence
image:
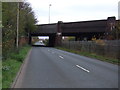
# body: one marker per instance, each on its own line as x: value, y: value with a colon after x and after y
x: 100, y: 47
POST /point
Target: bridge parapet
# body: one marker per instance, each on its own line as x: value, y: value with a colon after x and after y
x: 47, y: 28
x: 85, y: 26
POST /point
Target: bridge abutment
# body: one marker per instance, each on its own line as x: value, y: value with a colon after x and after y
x: 58, y: 38
x: 52, y: 40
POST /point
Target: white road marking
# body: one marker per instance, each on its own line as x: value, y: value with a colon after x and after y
x: 61, y: 57
x: 82, y: 68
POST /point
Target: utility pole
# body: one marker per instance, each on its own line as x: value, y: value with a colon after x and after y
x: 17, y: 38
x: 49, y: 13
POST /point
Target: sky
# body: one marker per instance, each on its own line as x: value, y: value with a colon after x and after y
x: 73, y: 10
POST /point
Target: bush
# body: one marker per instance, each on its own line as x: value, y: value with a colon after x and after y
x: 20, y: 54
x: 17, y: 57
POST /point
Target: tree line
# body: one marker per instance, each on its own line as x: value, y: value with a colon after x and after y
x: 27, y: 23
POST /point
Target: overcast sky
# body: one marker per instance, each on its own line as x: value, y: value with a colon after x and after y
x: 73, y: 10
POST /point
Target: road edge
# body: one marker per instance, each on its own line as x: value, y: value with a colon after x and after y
x: 20, y: 70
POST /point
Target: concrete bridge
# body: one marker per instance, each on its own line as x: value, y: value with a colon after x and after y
x: 80, y: 30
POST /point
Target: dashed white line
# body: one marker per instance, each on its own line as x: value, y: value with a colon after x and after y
x: 82, y: 68
x: 61, y: 57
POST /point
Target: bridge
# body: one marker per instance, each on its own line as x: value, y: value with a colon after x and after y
x: 80, y: 30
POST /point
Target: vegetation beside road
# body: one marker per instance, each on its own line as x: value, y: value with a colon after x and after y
x: 92, y: 55
x: 13, y: 54
x: 26, y: 23
x: 11, y: 66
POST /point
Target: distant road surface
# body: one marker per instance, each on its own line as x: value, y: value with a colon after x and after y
x: 53, y: 68
x: 39, y: 43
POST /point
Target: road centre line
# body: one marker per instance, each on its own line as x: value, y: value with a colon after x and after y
x: 61, y: 57
x: 82, y: 68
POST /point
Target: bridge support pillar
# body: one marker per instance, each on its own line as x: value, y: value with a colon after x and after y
x: 111, y: 22
x: 52, y: 40
x: 29, y: 41
x: 77, y: 38
x: 58, y: 39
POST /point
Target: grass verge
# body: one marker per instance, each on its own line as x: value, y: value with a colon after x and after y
x: 0, y: 74
x: 11, y: 66
x: 92, y: 55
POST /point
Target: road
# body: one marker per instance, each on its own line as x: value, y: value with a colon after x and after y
x: 52, y: 68
x: 39, y: 43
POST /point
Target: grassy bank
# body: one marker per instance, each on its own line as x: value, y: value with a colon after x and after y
x: 0, y: 74
x: 11, y: 66
x: 92, y: 55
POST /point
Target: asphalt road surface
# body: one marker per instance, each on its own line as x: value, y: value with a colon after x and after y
x: 53, y: 68
x: 39, y: 43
